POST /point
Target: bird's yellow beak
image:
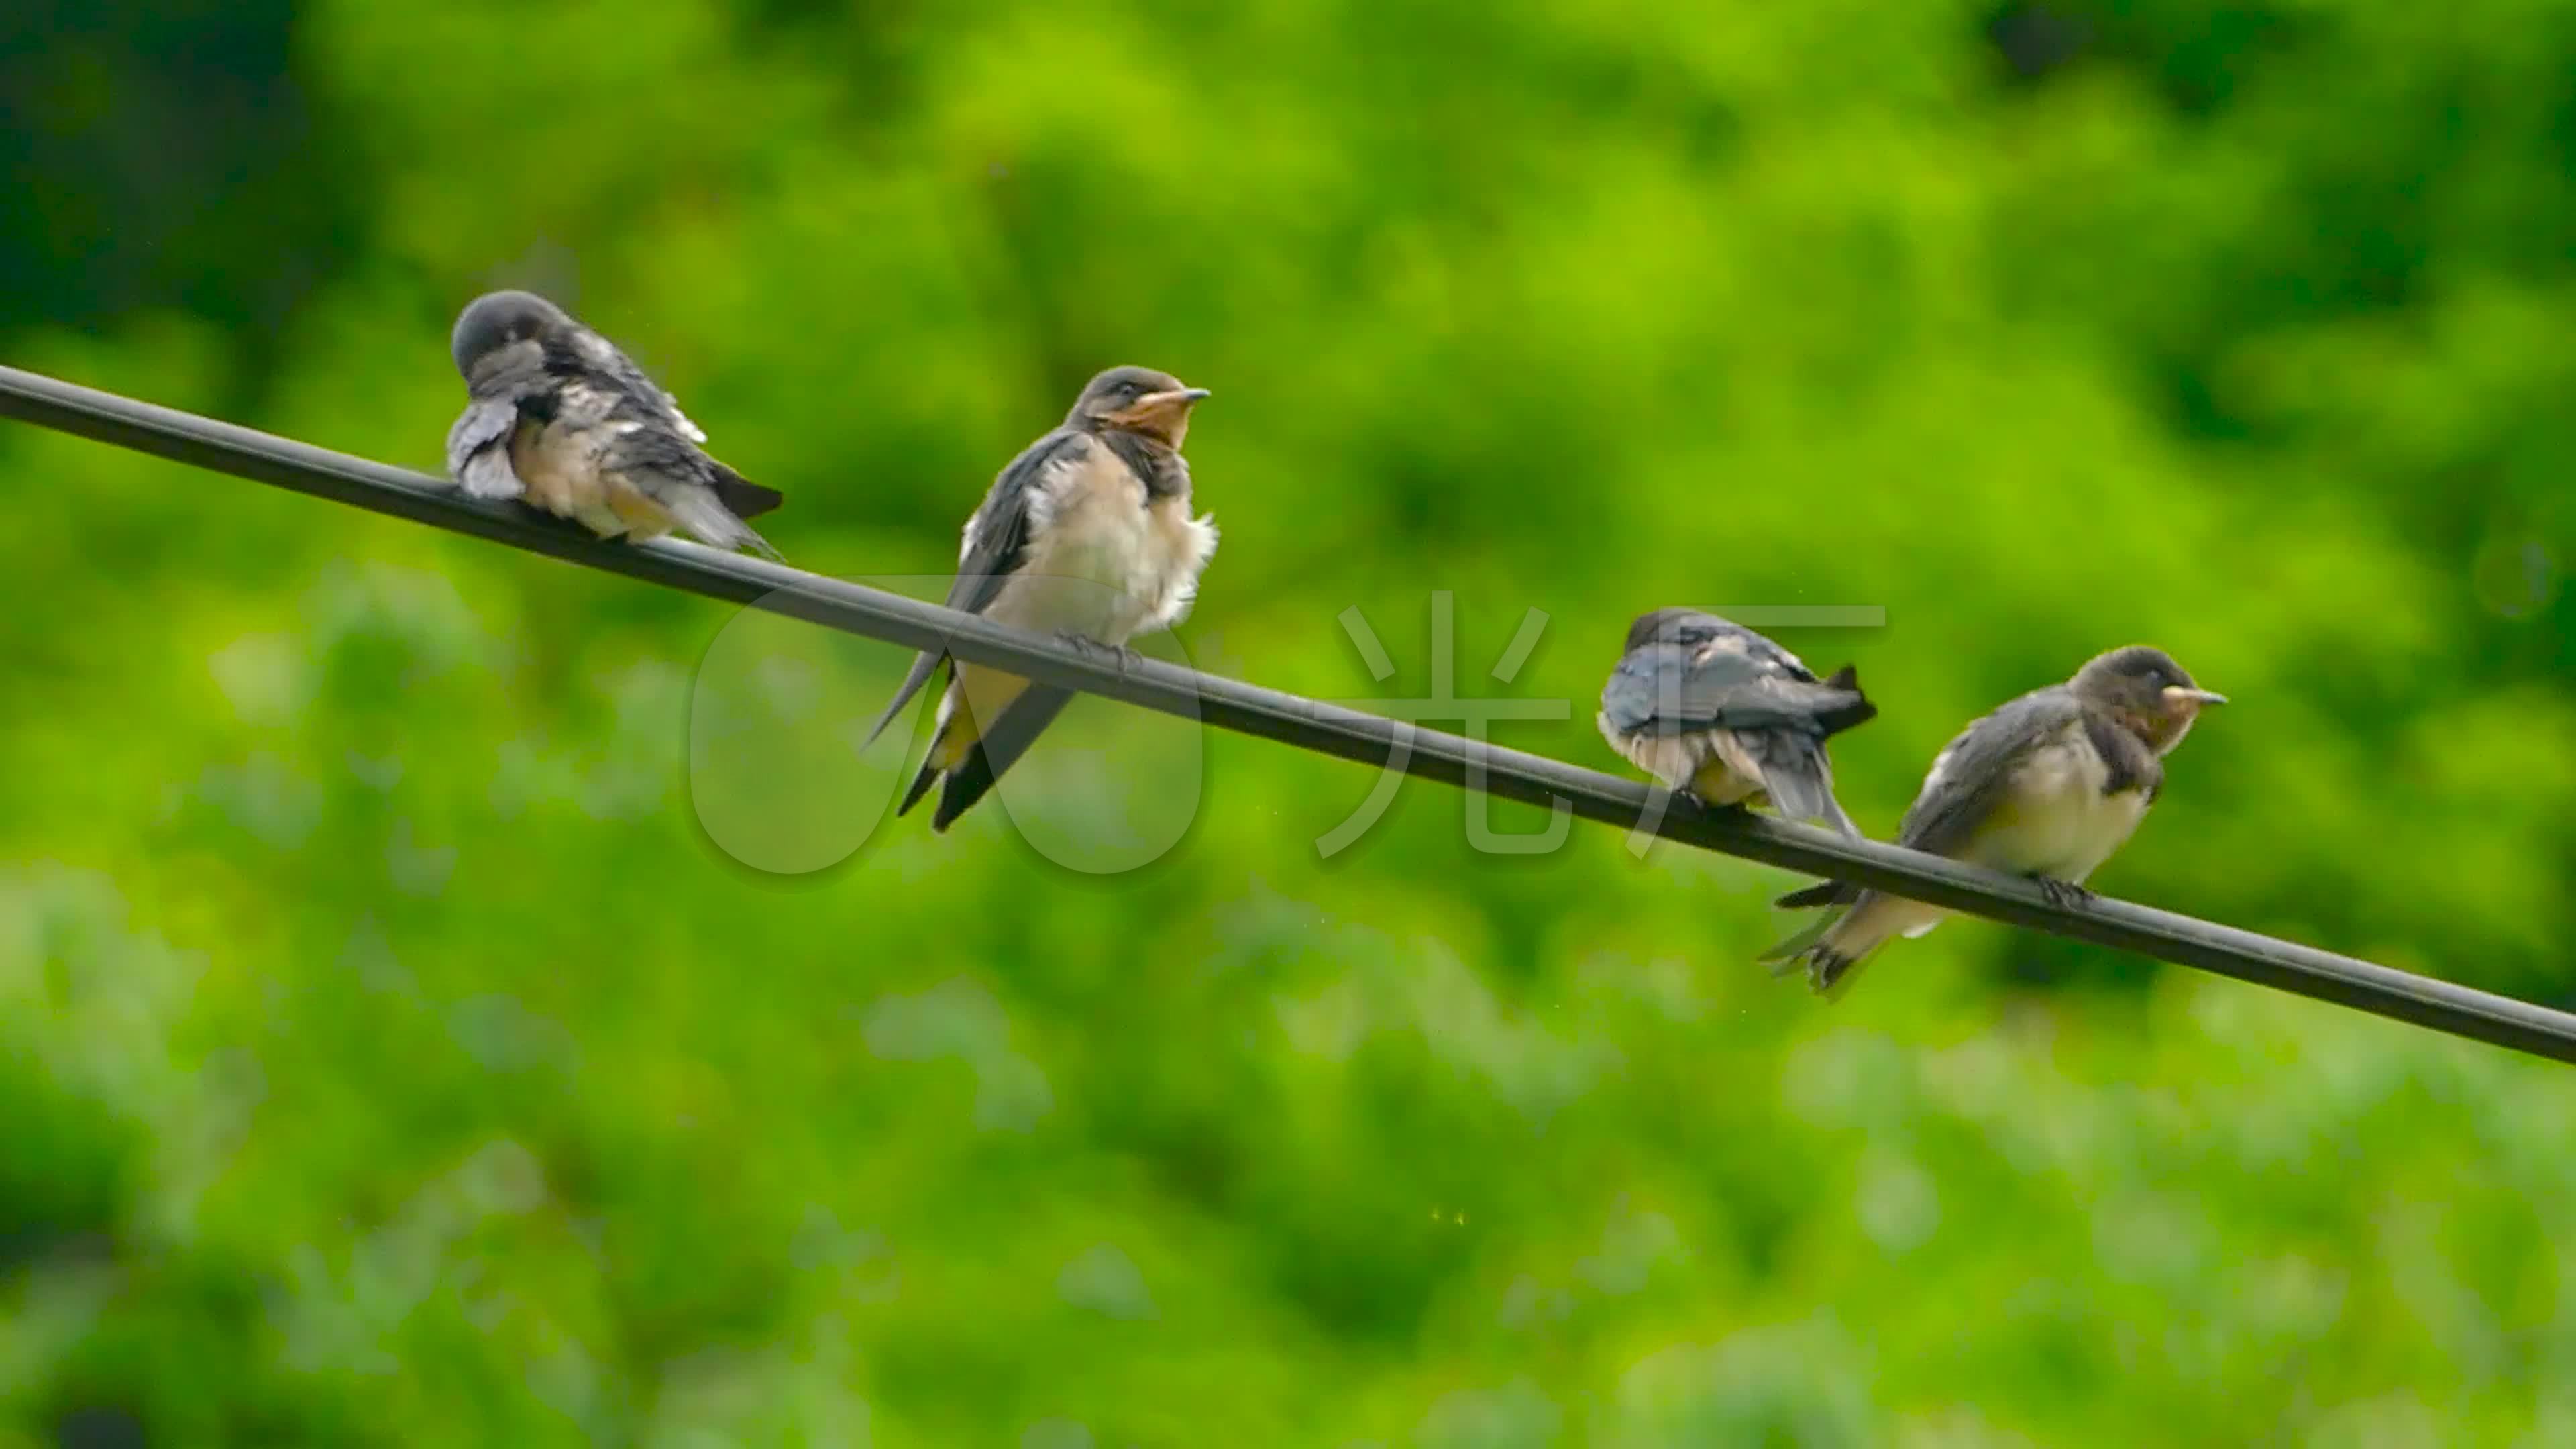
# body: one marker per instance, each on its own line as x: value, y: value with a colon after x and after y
x: 2184, y: 693
x: 1164, y: 412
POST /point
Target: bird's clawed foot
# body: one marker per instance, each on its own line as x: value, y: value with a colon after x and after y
x: 1082, y: 644
x: 2066, y: 895
x: 1090, y: 648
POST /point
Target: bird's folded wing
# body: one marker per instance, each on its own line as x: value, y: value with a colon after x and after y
x: 478, y: 452
x: 994, y: 542
x: 1665, y: 688
x: 1970, y: 775
x: 604, y: 358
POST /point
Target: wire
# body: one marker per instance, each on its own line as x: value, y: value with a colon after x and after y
x: 1292, y: 720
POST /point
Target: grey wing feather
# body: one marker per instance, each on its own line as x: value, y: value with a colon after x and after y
x: 1001, y: 526
x: 478, y: 453
x: 1666, y: 687
x: 478, y: 449
x: 1763, y: 651
x: 995, y: 539
x: 604, y: 357
x: 1967, y: 778
x: 1628, y: 700
x: 1776, y: 712
x: 675, y: 473
x: 1961, y: 789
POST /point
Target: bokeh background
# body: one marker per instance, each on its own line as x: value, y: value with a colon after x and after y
x: 393, y: 1050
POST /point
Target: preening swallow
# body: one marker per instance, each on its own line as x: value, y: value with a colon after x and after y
x: 1714, y: 709
x: 559, y: 418
x: 1086, y: 535
x: 2048, y: 786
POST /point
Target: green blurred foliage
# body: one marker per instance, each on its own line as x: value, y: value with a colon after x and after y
x: 391, y: 1050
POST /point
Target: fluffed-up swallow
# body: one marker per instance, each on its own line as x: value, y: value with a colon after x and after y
x: 1711, y: 708
x: 2048, y: 786
x: 562, y: 420
x: 1086, y: 535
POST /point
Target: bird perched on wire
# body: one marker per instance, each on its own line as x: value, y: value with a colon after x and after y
x: 1086, y: 535
x: 559, y: 418
x: 2048, y: 786
x: 1711, y: 708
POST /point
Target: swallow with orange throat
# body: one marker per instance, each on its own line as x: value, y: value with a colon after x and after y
x: 1087, y: 535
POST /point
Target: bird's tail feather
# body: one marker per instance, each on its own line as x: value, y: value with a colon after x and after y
x: 1784, y: 957
x: 1833, y: 816
x: 706, y: 518
x: 922, y: 667
x: 1800, y: 781
x: 947, y: 753
x: 1830, y: 950
x: 921, y: 783
x: 1830, y: 973
x: 1000, y: 747
x: 745, y: 498
x: 1855, y: 709
x: 1791, y: 783
x: 1823, y: 893
x: 1833, y: 948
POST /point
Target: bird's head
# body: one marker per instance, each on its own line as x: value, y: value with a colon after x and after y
x: 2146, y: 691
x: 1137, y: 400
x: 497, y: 320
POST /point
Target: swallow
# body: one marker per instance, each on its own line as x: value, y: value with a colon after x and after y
x: 2048, y: 786
x: 1717, y: 711
x: 559, y: 418
x: 1087, y: 536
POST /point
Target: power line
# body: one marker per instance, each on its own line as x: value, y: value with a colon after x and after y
x: 1292, y: 720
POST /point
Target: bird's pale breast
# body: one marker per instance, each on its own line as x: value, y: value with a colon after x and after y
x: 557, y: 466
x: 561, y: 463
x: 1100, y: 561
x: 2054, y: 818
